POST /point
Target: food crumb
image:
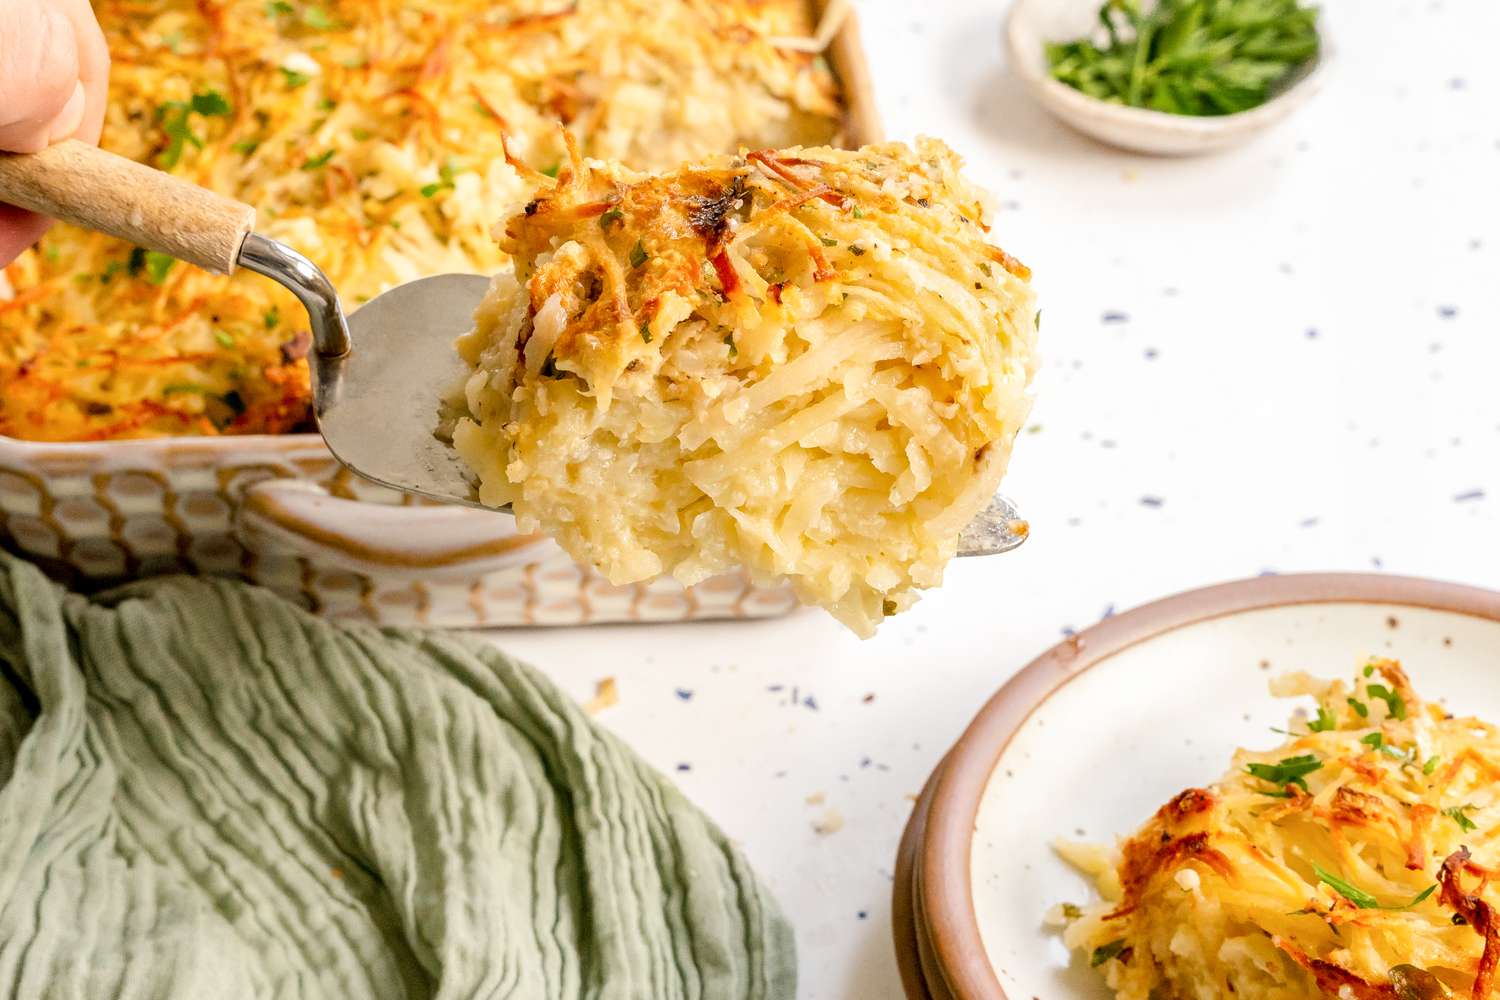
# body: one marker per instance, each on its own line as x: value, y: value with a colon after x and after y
x: 829, y: 823
x: 337, y: 873
x: 815, y: 799
x: 1391, y: 621
x: 606, y: 695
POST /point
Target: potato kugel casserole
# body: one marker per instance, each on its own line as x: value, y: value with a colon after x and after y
x: 810, y: 362
x: 371, y: 136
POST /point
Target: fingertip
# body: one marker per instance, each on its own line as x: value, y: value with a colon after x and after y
x: 39, y: 53
x: 93, y: 65
x: 19, y: 229
x: 70, y: 119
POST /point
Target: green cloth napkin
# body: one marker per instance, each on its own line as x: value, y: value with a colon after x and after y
x: 208, y: 793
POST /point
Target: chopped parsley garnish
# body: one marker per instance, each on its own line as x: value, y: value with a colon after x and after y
x: 646, y: 332
x: 176, y: 387
x: 1072, y: 911
x: 1362, y: 899
x: 317, y: 18
x: 318, y: 162
x: 446, y: 173
x: 1431, y: 764
x: 1287, y: 771
x: 1105, y: 952
x: 857, y: 213
x: 1458, y: 815
x: 224, y: 339
x: 313, y: 15
x: 637, y: 254
x: 1375, y: 741
x: 1395, y: 705
x: 246, y: 146
x: 1369, y: 669
x: 271, y: 318
x: 729, y: 340
x: 856, y: 250
x: 157, y: 265
x: 888, y: 608
x: 1189, y: 57
x: 553, y: 170
x: 984, y: 266
x: 209, y: 103
x: 611, y: 215
x: 175, y: 118
x: 1325, y: 722
x: 827, y: 242
x: 1360, y: 708
x: 293, y: 78
x: 111, y: 269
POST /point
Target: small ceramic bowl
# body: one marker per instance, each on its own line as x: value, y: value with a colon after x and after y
x: 1034, y: 23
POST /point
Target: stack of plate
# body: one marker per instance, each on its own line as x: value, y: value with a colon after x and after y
x: 1090, y: 738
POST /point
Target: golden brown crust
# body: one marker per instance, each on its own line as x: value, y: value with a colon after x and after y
x: 1333, y: 980
x: 1162, y: 846
x: 647, y: 237
x: 1479, y: 914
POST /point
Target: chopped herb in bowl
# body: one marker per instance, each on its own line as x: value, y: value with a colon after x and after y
x: 1190, y: 57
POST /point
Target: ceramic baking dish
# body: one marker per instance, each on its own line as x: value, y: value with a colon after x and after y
x: 280, y: 511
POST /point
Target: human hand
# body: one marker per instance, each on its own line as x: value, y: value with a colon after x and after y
x: 54, y: 72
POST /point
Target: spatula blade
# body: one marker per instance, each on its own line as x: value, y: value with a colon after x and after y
x: 379, y: 407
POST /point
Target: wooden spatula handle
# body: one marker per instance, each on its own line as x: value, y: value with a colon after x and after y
x: 89, y: 187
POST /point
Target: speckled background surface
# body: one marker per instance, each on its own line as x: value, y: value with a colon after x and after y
x: 1282, y: 358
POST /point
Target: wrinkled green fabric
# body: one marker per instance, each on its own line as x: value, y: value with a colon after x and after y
x: 207, y: 793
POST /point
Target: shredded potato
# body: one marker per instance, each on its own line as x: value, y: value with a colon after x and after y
x: 811, y: 363
x: 371, y: 136
x: 1352, y: 861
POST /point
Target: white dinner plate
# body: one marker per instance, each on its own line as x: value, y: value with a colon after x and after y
x: 1088, y: 740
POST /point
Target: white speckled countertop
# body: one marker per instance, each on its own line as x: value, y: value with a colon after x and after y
x: 1282, y: 358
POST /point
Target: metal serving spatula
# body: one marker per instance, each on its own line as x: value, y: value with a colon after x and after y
x: 379, y: 376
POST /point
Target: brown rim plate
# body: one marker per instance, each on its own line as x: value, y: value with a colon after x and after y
x: 942, y: 865
x: 903, y: 897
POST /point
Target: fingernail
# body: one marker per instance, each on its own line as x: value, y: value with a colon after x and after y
x: 70, y: 117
